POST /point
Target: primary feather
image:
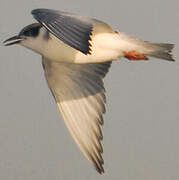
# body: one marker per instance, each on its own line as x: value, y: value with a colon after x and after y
x: 80, y: 96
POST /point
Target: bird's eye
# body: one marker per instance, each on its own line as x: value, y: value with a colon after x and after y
x: 30, y: 31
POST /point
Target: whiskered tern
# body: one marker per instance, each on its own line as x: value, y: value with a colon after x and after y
x: 76, y: 54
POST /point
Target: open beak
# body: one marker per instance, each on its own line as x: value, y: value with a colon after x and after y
x: 13, y: 40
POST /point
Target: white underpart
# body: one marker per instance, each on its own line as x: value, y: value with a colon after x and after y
x: 105, y: 47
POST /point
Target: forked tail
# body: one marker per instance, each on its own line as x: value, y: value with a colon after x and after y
x: 137, y: 49
x: 161, y: 50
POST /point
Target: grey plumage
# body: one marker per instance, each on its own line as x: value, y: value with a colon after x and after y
x: 162, y: 51
x: 70, y: 28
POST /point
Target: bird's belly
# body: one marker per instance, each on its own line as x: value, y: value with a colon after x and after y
x: 97, y: 56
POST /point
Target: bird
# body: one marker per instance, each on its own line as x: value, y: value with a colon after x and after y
x: 77, y: 53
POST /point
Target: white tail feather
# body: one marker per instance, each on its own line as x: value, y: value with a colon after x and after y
x: 158, y: 50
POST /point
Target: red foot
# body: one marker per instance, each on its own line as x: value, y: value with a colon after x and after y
x: 133, y: 55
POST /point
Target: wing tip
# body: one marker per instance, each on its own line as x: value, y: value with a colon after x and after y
x: 39, y: 13
x: 38, y: 10
x: 99, y: 166
x: 35, y: 11
x: 100, y: 170
x: 97, y: 161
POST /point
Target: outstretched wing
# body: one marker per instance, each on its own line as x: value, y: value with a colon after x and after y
x: 79, y: 93
x: 72, y: 29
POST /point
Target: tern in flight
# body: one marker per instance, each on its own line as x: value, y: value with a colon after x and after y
x: 77, y: 53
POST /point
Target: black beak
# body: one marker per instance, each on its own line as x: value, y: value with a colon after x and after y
x: 13, y: 40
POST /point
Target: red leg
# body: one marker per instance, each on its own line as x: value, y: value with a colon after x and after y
x: 133, y: 55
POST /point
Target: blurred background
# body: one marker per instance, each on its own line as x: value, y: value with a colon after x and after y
x: 141, y: 137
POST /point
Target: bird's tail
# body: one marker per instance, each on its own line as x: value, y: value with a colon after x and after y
x: 139, y: 49
x: 160, y: 50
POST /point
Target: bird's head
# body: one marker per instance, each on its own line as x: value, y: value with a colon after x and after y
x: 32, y: 36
